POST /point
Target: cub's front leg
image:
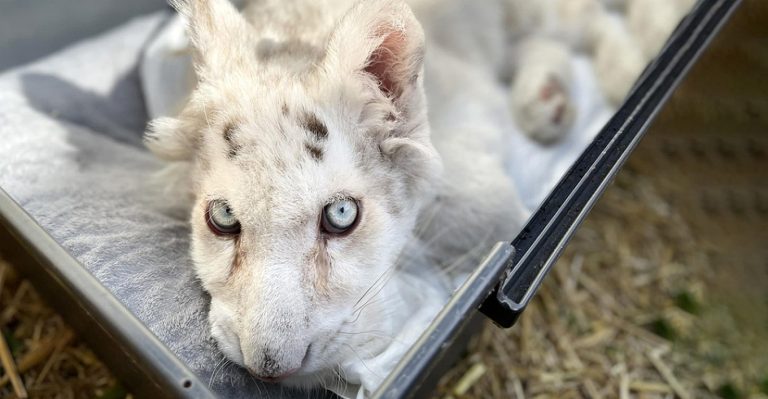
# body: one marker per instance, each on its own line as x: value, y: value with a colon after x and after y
x: 618, y: 59
x: 540, y: 96
x: 651, y: 22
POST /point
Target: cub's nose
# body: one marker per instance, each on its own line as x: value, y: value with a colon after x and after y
x: 270, y: 370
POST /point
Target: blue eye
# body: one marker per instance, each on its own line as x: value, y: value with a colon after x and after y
x: 340, y: 216
x: 220, y: 218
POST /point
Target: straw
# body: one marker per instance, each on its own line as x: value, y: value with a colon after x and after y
x: 10, y: 369
x: 49, y: 361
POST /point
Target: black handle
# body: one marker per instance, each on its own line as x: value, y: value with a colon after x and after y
x: 550, y: 228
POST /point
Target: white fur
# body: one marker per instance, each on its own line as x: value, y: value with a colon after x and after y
x: 432, y: 185
x: 546, y: 31
x: 270, y: 306
x: 652, y: 21
x: 540, y: 96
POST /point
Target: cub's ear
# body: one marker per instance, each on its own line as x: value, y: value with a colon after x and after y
x: 221, y: 38
x: 171, y: 139
x: 418, y: 159
x: 383, y: 40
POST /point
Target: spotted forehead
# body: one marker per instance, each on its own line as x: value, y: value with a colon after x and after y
x: 303, y: 130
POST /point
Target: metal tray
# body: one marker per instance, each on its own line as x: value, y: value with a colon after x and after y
x: 501, y: 287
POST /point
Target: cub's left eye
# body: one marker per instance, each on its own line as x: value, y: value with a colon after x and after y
x: 340, y: 216
x: 220, y: 218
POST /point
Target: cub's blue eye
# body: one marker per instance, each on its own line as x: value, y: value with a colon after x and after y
x: 220, y: 218
x: 340, y: 216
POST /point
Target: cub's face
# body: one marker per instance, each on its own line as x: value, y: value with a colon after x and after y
x: 307, y: 185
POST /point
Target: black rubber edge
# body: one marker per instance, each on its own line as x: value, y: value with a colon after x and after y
x: 550, y: 228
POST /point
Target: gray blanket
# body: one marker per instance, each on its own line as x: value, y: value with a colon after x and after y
x: 71, y: 155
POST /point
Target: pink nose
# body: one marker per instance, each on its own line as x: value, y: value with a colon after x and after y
x: 274, y: 378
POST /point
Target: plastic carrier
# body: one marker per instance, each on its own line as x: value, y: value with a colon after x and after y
x: 501, y: 287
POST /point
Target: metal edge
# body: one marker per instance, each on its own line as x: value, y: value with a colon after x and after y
x: 408, y: 377
x: 130, y: 350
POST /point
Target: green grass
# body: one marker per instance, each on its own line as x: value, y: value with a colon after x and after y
x: 662, y: 328
x: 685, y: 301
x: 728, y: 391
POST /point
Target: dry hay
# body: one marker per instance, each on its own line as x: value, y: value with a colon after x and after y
x: 619, y: 316
x: 51, y: 363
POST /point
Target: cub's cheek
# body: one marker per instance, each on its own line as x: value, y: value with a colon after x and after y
x: 223, y: 329
x: 213, y: 258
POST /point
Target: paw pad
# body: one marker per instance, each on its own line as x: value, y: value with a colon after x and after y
x: 542, y: 107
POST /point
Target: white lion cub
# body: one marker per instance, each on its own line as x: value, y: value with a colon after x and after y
x: 307, y: 140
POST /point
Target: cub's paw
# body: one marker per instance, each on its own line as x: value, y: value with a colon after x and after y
x: 542, y: 106
x: 618, y: 64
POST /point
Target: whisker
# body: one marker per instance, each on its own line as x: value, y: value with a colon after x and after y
x: 361, y: 360
x: 342, y: 379
x: 256, y: 382
x: 425, y: 224
x: 381, y: 283
x: 374, y: 284
x: 374, y: 300
x: 359, y: 310
x: 205, y: 115
x: 215, y: 369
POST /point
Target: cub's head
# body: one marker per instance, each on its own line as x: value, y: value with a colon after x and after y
x: 307, y: 180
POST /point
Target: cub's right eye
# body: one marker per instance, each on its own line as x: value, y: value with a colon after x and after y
x: 220, y: 218
x: 340, y: 216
